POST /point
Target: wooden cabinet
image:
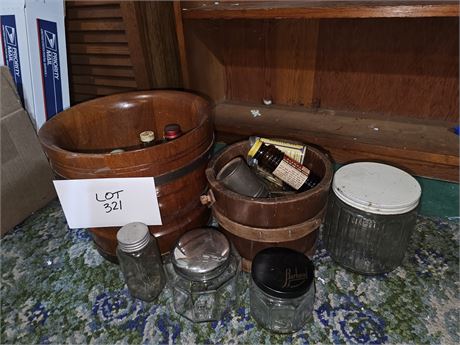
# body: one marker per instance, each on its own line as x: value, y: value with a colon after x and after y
x: 373, y: 80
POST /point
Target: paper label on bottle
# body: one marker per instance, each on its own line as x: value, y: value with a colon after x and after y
x: 292, y: 150
x: 92, y: 203
x: 291, y: 172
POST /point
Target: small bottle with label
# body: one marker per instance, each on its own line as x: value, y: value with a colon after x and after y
x: 172, y: 131
x: 147, y: 138
x: 140, y: 261
x: 282, y: 166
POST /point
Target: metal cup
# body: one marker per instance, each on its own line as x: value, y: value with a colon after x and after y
x: 238, y: 177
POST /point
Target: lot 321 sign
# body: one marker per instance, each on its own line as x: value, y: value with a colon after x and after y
x: 109, y: 202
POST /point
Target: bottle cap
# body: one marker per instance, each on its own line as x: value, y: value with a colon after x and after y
x: 282, y: 272
x: 201, y: 254
x: 172, y: 131
x: 147, y: 136
x: 252, y: 152
x: 133, y: 237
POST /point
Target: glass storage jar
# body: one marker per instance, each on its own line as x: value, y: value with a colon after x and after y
x: 282, y: 291
x: 140, y: 261
x: 203, y: 275
x: 371, y: 214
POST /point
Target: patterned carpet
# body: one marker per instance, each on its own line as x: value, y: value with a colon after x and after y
x: 57, y: 289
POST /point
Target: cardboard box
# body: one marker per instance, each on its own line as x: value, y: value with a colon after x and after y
x: 34, y: 47
x: 26, y: 180
x: 15, y: 50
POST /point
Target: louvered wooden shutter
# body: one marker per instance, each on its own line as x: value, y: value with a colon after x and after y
x: 109, y: 50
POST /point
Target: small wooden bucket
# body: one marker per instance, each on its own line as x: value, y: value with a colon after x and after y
x: 253, y: 224
x: 116, y: 121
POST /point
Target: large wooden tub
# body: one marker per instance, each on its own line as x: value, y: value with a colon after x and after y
x: 116, y: 121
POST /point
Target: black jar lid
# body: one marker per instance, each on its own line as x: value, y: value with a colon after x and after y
x: 282, y: 272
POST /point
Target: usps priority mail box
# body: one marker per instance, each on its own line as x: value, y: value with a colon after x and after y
x: 41, y: 55
x: 15, y: 50
x: 48, y: 57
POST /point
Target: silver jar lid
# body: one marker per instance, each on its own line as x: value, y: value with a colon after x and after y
x: 133, y: 237
x: 201, y: 254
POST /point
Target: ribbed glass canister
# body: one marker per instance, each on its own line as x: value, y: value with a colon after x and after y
x: 371, y: 214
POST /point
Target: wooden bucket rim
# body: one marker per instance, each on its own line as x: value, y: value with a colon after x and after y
x: 219, y: 186
x: 46, y: 138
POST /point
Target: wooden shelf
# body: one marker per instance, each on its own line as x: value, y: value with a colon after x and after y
x: 422, y: 147
x: 317, y: 9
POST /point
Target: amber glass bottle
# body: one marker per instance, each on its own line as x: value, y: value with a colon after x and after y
x: 279, y: 164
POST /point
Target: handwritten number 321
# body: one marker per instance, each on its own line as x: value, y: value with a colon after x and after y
x: 112, y: 206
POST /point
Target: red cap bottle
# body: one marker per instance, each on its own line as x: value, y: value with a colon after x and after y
x: 172, y: 131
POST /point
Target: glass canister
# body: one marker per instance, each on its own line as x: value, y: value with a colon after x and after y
x: 140, y: 261
x: 203, y: 275
x: 371, y: 214
x: 282, y: 291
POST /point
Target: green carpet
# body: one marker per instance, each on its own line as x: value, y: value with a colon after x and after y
x: 57, y: 289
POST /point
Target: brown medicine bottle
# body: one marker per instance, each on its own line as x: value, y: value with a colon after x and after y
x: 279, y: 164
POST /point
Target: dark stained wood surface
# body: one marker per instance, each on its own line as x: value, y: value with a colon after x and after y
x: 136, y: 48
x: 405, y: 67
x: 424, y: 148
x: 252, y: 60
x: 400, y: 67
x: 157, y: 36
x: 317, y: 9
x: 181, y: 43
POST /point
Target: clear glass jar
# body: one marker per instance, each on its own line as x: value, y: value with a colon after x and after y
x: 282, y: 290
x: 371, y: 214
x: 140, y: 261
x: 203, y: 274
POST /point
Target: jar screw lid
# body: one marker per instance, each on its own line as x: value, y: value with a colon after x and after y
x: 133, y: 237
x: 282, y: 272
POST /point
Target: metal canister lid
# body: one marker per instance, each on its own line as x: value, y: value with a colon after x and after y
x: 133, y: 237
x: 147, y: 136
x: 376, y: 188
x: 201, y: 254
x: 282, y: 272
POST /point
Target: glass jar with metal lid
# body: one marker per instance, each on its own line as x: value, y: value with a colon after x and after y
x: 203, y: 274
x: 371, y: 214
x: 140, y: 261
x: 282, y: 291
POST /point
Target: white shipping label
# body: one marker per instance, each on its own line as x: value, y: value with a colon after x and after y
x: 291, y: 172
x: 105, y: 202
